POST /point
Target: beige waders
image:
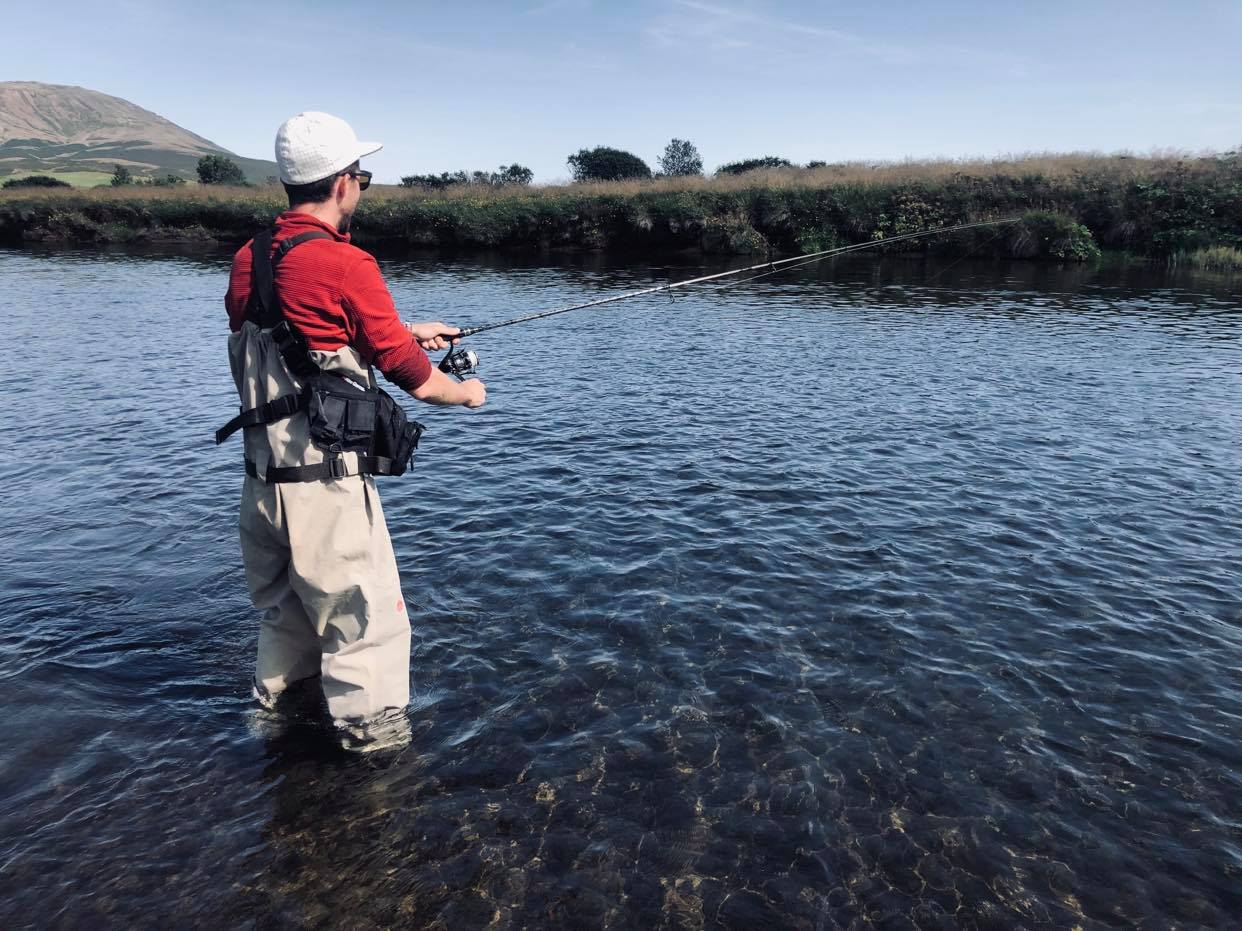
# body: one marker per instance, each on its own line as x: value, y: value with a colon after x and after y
x: 319, y: 561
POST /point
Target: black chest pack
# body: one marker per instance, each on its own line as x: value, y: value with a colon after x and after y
x: 344, y: 416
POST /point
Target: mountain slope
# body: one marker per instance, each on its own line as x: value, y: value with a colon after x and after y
x: 55, y: 128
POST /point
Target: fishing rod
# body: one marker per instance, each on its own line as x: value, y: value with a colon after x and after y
x: 463, y: 362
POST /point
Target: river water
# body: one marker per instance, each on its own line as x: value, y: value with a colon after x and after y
x: 877, y: 594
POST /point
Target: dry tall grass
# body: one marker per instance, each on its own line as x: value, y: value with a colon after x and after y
x: 1050, y: 166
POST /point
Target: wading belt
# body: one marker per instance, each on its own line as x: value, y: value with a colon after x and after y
x: 332, y: 468
x: 344, y: 416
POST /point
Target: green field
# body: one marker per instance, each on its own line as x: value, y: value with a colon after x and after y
x: 76, y: 178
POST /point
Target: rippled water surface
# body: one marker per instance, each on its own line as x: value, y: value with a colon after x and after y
x: 876, y: 594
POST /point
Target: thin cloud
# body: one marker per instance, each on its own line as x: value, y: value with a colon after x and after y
x: 556, y: 6
x: 771, y: 22
x: 726, y: 27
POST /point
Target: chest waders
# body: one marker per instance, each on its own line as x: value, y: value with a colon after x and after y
x: 343, y: 415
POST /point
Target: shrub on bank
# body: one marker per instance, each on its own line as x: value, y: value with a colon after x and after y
x: 604, y: 163
x: 754, y: 164
x: 219, y: 169
x: 514, y: 174
x: 1043, y: 233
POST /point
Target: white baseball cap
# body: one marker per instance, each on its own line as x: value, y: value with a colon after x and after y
x: 312, y: 146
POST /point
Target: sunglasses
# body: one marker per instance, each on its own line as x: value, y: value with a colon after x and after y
x: 363, y: 176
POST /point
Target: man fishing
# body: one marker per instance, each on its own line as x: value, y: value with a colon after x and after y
x: 311, y: 317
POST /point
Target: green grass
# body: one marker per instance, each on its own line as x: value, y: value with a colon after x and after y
x: 1213, y: 258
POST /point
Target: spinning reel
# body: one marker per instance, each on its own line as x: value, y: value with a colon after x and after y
x: 460, y: 363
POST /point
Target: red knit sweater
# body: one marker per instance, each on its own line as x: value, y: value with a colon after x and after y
x: 332, y: 292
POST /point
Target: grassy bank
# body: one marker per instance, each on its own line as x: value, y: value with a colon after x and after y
x: 1214, y: 258
x: 1074, y: 205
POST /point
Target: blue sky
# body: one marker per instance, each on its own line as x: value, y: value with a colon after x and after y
x: 476, y: 85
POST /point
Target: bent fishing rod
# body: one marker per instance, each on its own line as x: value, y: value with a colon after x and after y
x: 464, y: 362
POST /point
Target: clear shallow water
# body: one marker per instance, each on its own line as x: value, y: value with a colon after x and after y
x: 885, y: 595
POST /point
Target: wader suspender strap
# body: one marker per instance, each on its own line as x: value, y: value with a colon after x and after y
x: 263, y: 309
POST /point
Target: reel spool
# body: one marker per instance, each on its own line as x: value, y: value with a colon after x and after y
x: 460, y: 363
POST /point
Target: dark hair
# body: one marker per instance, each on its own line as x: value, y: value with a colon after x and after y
x: 314, y: 192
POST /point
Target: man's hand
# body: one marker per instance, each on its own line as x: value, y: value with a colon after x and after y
x: 475, y: 392
x: 441, y: 389
x: 433, y: 335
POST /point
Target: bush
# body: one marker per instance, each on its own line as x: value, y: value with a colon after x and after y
x: 605, y: 164
x: 513, y: 174
x: 508, y: 175
x: 219, y: 169
x: 121, y: 176
x: 435, y: 182
x: 681, y: 158
x: 1044, y: 234
x: 166, y: 181
x: 36, y: 181
x: 753, y: 164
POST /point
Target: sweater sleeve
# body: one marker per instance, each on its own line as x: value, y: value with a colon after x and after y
x: 379, y: 334
x: 239, y: 288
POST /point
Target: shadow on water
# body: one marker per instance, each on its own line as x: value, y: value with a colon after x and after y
x: 889, y: 594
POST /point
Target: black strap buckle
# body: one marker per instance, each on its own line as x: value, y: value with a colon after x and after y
x: 336, y: 467
x: 294, y: 350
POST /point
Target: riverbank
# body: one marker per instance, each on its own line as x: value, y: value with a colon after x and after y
x: 1072, y: 207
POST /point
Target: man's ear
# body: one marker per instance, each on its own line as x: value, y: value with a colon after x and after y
x: 340, y: 188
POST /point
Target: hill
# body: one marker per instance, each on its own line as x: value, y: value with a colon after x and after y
x: 82, y: 134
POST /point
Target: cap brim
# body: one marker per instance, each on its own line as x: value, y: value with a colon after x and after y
x: 368, y: 148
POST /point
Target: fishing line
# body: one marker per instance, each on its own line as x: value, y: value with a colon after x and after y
x: 876, y: 242
x: 771, y: 267
x: 462, y: 362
